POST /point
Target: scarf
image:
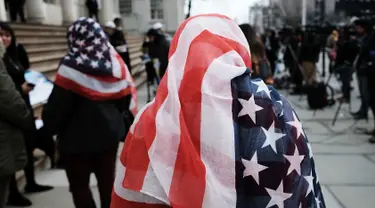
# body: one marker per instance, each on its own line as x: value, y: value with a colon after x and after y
x: 213, y: 137
x: 92, y: 68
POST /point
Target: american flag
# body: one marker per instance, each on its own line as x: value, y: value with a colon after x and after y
x: 213, y: 137
x: 92, y: 67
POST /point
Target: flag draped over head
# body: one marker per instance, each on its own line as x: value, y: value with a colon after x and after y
x: 213, y: 137
x: 92, y: 68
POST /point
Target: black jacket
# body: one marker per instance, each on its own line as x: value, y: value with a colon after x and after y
x: 83, y: 125
x: 346, y: 53
x: 160, y: 49
x: 92, y: 4
x: 118, y: 39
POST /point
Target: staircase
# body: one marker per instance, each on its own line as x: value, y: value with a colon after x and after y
x: 46, y: 45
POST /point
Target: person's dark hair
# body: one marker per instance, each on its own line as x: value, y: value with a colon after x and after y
x: 249, y: 33
x: 11, y: 51
x: 117, y: 21
x: 256, y: 46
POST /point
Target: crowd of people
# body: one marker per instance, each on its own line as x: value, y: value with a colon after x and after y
x: 94, y: 95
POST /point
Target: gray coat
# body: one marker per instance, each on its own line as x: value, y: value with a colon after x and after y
x: 14, y: 116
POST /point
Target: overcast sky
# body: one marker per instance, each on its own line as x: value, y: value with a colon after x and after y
x: 236, y: 9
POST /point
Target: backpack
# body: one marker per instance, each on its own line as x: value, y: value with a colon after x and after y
x: 317, y: 96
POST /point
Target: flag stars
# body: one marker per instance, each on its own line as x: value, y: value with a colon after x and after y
x: 278, y: 196
x: 96, y: 25
x: 77, y: 26
x: 90, y: 48
x: 262, y: 87
x: 104, y: 47
x: 97, y: 41
x: 297, y: 125
x: 108, y: 64
x: 318, y: 202
x: 310, y: 180
x: 79, y: 60
x: 83, y: 29
x: 91, y: 34
x: 249, y: 108
x: 94, y: 64
x: 271, y: 137
x: 252, y: 167
x: 295, y: 161
x: 84, y: 56
x: 99, y: 55
x: 80, y: 43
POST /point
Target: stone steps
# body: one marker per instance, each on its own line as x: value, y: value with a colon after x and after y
x: 46, y: 45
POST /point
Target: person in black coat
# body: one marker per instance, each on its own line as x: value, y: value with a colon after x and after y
x: 16, y: 62
x: 118, y: 41
x: 159, y: 49
x: 309, y: 56
x: 93, y: 8
x: 347, y: 51
x: 85, y: 111
x: 16, y: 7
x: 363, y: 65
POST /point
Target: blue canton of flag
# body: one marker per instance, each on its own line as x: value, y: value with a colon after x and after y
x: 274, y: 161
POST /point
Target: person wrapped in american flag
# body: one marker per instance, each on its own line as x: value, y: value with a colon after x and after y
x: 213, y: 137
x: 92, y: 91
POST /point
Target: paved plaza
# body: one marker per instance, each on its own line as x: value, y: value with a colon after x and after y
x: 345, y: 160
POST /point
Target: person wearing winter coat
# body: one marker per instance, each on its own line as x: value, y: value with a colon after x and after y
x: 118, y: 41
x: 93, y: 88
x: 159, y: 49
x: 16, y: 62
x: 14, y: 116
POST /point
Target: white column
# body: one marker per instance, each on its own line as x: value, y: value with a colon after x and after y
x: 304, y: 12
x: 106, y: 11
x: 142, y: 9
x: 173, y: 14
x: 36, y: 12
x: 69, y: 11
x: 3, y: 13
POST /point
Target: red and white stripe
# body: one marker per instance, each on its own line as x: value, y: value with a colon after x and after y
x: 180, y: 149
x: 100, y: 88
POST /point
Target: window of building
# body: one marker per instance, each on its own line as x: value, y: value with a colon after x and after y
x: 157, y: 9
x: 126, y: 6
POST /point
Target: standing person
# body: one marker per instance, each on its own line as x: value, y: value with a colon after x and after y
x: 159, y: 49
x: 160, y: 28
x: 14, y: 116
x: 93, y: 89
x: 16, y: 7
x: 16, y: 62
x: 362, y: 66
x: 309, y: 56
x: 213, y: 136
x: 272, y: 47
x: 260, y: 65
x: 93, y: 8
x: 119, y: 42
x: 347, y: 51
